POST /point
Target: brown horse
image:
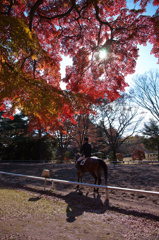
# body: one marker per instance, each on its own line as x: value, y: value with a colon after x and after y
x: 94, y: 166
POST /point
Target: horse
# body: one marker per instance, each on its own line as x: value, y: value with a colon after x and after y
x: 94, y: 166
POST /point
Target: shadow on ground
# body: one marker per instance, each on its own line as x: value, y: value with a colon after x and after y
x: 79, y: 202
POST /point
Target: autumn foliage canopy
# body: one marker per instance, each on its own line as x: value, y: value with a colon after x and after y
x: 101, y: 37
x: 138, y: 154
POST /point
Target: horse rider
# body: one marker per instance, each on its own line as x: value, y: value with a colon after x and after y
x: 85, y: 152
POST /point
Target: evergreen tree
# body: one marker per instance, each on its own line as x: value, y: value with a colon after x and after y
x: 151, y: 132
x: 16, y: 143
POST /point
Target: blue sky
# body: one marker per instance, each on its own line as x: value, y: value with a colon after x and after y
x: 146, y: 60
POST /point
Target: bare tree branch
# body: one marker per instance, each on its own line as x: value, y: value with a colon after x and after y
x: 145, y: 92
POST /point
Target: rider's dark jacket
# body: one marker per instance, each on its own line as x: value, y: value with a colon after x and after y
x: 86, y: 149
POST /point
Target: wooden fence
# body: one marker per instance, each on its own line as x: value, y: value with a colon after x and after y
x: 107, y: 188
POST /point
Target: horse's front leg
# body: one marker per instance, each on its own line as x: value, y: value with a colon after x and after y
x: 78, y: 175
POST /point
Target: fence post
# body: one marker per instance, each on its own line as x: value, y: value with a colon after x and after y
x: 107, y: 193
x: 45, y: 174
x: 52, y: 186
x: 44, y: 184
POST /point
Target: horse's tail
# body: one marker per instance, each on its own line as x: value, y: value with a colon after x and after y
x: 105, y: 169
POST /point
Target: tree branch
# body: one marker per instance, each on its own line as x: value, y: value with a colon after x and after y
x: 32, y: 11
x: 63, y: 14
x: 101, y: 21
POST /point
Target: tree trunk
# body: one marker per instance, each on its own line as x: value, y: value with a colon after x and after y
x: 114, y: 155
x: 62, y: 153
x: 40, y: 147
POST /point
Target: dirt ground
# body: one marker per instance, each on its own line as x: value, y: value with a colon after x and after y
x: 79, y: 214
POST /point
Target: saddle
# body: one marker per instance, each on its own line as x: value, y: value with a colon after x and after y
x: 82, y: 162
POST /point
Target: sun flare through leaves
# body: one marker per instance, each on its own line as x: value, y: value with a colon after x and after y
x: 35, y: 34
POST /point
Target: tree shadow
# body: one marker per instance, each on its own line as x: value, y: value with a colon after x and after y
x: 34, y: 199
x: 134, y: 213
